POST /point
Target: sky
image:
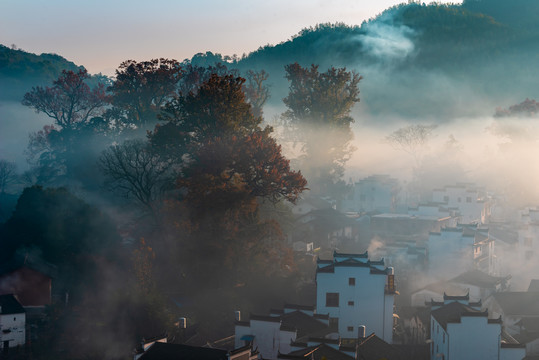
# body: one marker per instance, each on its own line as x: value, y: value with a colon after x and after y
x: 100, y: 34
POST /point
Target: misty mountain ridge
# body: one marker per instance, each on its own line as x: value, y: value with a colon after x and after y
x: 431, y: 61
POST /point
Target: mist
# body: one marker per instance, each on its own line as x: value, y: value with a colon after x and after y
x: 191, y: 229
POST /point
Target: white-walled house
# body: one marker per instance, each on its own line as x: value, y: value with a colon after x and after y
x: 374, y: 193
x: 356, y: 291
x: 471, y: 202
x: 12, y: 322
x: 460, y: 331
x: 454, y: 250
x: 273, y: 334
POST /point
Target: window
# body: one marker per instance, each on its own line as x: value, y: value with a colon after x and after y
x: 446, y: 198
x: 458, y: 199
x: 351, y: 303
x: 468, y: 199
x: 332, y: 299
x: 352, y: 281
x: 350, y: 328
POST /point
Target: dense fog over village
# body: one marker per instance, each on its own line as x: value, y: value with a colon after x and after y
x: 355, y: 192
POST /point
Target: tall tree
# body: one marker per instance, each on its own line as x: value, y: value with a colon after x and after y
x: 73, y: 106
x: 319, y: 106
x: 70, y: 101
x: 142, y: 88
x: 256, y: 91
x: 229, y: 163
x: 133, y: 170
x: 412, y: 139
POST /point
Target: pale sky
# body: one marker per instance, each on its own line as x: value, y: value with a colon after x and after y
x: 100, y: 34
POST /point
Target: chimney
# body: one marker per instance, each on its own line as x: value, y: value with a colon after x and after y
x: 390, y: 285
x: 182, y: 323
x: 237, y: 315
x: 361, y: 330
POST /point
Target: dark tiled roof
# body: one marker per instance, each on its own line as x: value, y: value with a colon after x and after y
x: 413, y: 352
x: 285, y: 327
x: 453, y: 312
x: 242, y: 323
x: 265, y: 318
x: 364, y: 255
x: 305, y: 324
x: 518, y: 303
x: 299, y: 307
x: 441, y: 287
x: 21, y: 259
x: 374, y: 348
x: 321, y: 316
x: 478, y: 278
x: 166, y: 351
x: 319, y: 352
x: 456, y: 297
x: 10, y: 305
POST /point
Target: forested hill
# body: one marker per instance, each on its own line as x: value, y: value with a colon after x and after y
x: 20, y: 70
x: 417, y: 60
x: 424, y: 60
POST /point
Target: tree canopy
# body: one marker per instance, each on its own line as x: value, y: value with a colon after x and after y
x: 319, y: 106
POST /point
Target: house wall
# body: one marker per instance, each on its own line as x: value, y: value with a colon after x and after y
x: 449, y: 253
x: 268, y: 337
x: 285, y: 338
x: 471, y: 208
x: 371, y: 307
x: 12, y: 329
x: 375, y: 193
x: 239, y: 332
x: 473, y: 338
x: 512, y: 353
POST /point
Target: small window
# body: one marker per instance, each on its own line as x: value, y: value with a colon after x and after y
x: 443, y: 337
x: 350, y: 328
x: 468, y: 199
x: 352, y: 281
x: 446, y: 198
x: 14, y: 319
x: 459, y: 200
x: 351, y: 303
x: 332, y: 299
